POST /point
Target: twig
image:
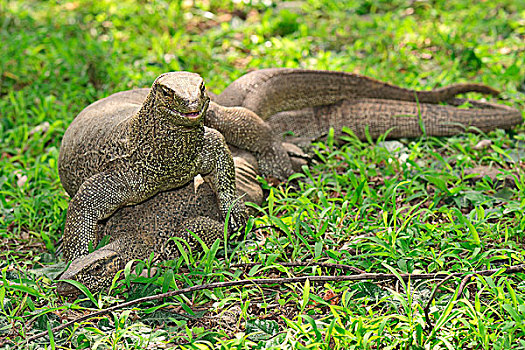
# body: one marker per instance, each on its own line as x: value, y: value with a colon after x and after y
x: 306, y: 263
x: 280, y: 281
x: 429, y: 303
x: 463, y: 283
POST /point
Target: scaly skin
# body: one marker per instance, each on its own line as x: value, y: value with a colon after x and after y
x: 244, y: 129
x: 110, y: 160
x: 137, y: 231
x: 273, y: 90
x: 398, y: 118
x: 273, y: 102
x: 332, y: 99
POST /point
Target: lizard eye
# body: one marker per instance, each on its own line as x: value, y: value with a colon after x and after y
x: 96, y: 268
x: 166, y: 92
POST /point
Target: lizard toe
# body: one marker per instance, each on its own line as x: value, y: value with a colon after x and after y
x: 238, y: 218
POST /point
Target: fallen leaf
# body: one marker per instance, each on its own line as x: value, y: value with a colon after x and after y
x: 21, y: 179
x: 40, y: 129
x: 482, y: 144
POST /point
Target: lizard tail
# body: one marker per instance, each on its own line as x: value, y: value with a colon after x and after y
x: 273, y: 90
x: 398, y: 118
x: 449, y: 92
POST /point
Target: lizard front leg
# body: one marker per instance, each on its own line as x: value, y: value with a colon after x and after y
x: 97, y: 198
x: 216, y: 158
x: 246, y: 130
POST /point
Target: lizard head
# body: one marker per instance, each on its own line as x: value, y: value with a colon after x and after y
x: 95, y: 271
x: 182, y: 97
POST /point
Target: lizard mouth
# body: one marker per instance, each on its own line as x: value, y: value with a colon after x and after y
x: 187, y: 115
x: 191, y: 115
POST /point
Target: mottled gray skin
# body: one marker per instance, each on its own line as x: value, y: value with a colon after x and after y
x: 154, y: 225
x: 273, y: 90
x: 309, y: 103
x: 396, y: 118
x: 244, y: 129
x: 113, y: 156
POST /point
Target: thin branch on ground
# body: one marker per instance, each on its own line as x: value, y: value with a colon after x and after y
x: 463, y: 283
x: 306, y: 263
x: 465, y: 279
x: 281, y: 282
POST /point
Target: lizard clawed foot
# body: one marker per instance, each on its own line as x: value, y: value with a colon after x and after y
x: 298, y: 158
x: 275, y: 162
x: 238, y: 216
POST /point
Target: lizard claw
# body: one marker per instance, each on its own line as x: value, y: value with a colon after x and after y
x: 238, y: 216
x: 297, y: 157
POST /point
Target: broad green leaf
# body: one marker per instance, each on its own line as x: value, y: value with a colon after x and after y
x: 306, y: 295
x: 258, y: 329
x: 25, y: 289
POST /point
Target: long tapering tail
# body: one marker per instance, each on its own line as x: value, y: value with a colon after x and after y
x: 400, y: 118
x: 268, y: 91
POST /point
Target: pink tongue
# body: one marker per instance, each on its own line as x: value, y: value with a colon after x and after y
x: 192, y: 115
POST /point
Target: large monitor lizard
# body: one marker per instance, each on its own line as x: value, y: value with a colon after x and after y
x: 331, y: 99
x: 256, y: 110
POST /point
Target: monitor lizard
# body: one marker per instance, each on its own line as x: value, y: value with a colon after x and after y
x: 306, y: 102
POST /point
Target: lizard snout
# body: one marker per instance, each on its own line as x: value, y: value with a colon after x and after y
x: 67, y: 289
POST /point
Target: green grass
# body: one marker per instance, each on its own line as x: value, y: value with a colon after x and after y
x: 410, y: 211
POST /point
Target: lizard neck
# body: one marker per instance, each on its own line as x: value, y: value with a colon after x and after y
x: 161, y: 145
